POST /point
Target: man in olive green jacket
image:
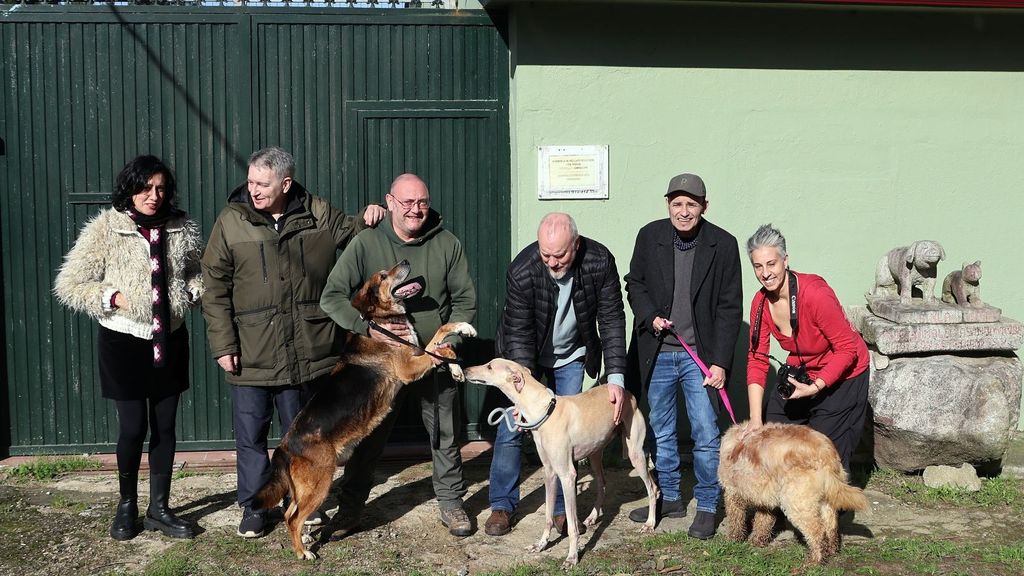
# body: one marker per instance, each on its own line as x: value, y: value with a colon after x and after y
x: 266, y: 264
x: 412, y: 232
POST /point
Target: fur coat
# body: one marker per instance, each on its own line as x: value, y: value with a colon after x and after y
x: 111, y: 256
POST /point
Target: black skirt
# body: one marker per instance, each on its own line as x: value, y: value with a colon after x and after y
x: 127, y: 371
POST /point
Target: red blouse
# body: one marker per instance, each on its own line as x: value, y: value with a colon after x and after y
x: 829, y: 346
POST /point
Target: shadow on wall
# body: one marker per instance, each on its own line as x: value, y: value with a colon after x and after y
x: 759, y: 37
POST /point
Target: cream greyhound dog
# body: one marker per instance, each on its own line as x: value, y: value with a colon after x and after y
x: 567, y: 429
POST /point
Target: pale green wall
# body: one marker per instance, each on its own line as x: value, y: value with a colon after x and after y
x: 853, y: 132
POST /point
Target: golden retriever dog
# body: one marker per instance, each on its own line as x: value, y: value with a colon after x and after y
x: 346, y: 410
x: 790, y: 467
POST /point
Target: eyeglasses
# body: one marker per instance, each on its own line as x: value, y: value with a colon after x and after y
x: 409, y: 204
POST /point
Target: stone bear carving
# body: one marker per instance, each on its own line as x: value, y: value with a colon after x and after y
x: 907, y: 267
x: 962, y: 286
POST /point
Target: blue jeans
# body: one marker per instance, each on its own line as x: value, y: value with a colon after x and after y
x: 505, y: 464
x: 673, y: 370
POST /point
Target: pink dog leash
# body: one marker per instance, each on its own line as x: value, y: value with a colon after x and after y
x: 706, y: 372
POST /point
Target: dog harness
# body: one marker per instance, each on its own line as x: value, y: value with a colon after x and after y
x: 505, y: 414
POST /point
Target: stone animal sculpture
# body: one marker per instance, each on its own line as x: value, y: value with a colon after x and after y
x: 962, y: 286
x: 907, y: 267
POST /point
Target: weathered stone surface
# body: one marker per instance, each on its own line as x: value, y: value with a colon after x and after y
x: 983, y: 313
x: 891, y: 338
x: 963, y: 478
x: 944, y: 409
x: 916, y: 312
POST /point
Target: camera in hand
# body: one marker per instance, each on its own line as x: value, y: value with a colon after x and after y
x: 799, y: 373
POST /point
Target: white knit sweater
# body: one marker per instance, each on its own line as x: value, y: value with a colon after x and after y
x: 111, y: 256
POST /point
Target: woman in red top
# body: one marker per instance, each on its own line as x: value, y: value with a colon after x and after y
x: 833, y: 398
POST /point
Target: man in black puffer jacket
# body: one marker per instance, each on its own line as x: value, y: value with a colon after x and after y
x: 563, y: 311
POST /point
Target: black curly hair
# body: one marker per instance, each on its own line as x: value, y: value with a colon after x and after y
x: 133, y: 178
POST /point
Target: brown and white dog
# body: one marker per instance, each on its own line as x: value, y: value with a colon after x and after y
x: 790, y: 467
x: 360, y: 394
x: 576, y: 427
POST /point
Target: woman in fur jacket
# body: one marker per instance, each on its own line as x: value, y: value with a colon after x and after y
x: 135, y: 269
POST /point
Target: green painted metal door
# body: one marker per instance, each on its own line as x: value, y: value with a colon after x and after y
x: 357, y: 95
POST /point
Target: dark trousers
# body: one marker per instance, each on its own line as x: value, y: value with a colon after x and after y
x: 449, y: 486
x: 135, y: 417
x: 251, y: 410
x: 837, y: 412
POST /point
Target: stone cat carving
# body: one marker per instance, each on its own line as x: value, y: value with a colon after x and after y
x: 962, y: 286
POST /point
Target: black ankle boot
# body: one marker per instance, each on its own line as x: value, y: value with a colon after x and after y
x: 159, y: 515
x: 125, y: 525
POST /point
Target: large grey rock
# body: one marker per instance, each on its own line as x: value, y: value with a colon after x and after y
x: 944, y: 409
x: 963, y: 478
x: 891, y: 338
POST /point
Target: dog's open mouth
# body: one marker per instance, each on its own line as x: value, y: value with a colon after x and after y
x: 407, y: 289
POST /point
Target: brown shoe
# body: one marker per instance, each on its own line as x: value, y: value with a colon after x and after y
x: 456, y: 521
x: 559, y: 525
x: 498, y: 524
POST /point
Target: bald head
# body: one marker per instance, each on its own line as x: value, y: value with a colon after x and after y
x: 407, y: 180
x: 557, y: 240
x: 409, y: 204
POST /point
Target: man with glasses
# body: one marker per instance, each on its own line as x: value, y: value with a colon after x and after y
x: 414, y: 232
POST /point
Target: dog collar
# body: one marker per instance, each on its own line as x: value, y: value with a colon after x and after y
x: 499, y: 414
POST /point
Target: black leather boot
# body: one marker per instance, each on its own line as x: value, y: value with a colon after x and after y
x: 159, y: 516
x: 125, y: 526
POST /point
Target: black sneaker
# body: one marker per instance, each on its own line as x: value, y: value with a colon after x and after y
x: 703, y: 526
x: 315, y: 518
x: 662, y: 509
x: 253, y: 523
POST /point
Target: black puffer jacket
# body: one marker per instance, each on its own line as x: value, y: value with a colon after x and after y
x: 530, y: 304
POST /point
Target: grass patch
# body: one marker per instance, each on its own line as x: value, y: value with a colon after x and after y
x: 999, y: 491
x: 183, y: 473
x: 64, y: 502
x: 174, y: 562
x: 49, y: 468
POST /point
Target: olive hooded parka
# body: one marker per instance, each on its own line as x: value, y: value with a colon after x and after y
x: 265, y: 286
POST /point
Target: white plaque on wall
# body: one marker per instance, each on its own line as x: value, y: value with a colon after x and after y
x: 572, y: 172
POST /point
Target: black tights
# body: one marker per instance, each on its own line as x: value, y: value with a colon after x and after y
x: 135, y: 416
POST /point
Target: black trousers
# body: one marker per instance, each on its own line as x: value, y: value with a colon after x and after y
x: 837, y: 412
x: 447, y: 479
x: 134, y: 417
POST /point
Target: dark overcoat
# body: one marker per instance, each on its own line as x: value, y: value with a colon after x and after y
x: 716, y: 295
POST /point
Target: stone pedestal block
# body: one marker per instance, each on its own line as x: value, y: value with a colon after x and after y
x: 891, y: 338
x: 917, y: 312
x: 983, y: 313
x: 944, y: 409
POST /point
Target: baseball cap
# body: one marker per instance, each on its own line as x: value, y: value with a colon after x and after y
x: 688, y: 183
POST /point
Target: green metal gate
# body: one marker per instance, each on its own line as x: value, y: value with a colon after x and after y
x: 358, y: 96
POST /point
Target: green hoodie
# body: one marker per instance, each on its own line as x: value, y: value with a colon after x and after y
x: 437, y: 259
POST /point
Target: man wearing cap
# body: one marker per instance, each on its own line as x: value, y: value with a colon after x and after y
x: 684, y: 279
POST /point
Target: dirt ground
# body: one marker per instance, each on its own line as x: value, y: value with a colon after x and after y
x: 71, y: 516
